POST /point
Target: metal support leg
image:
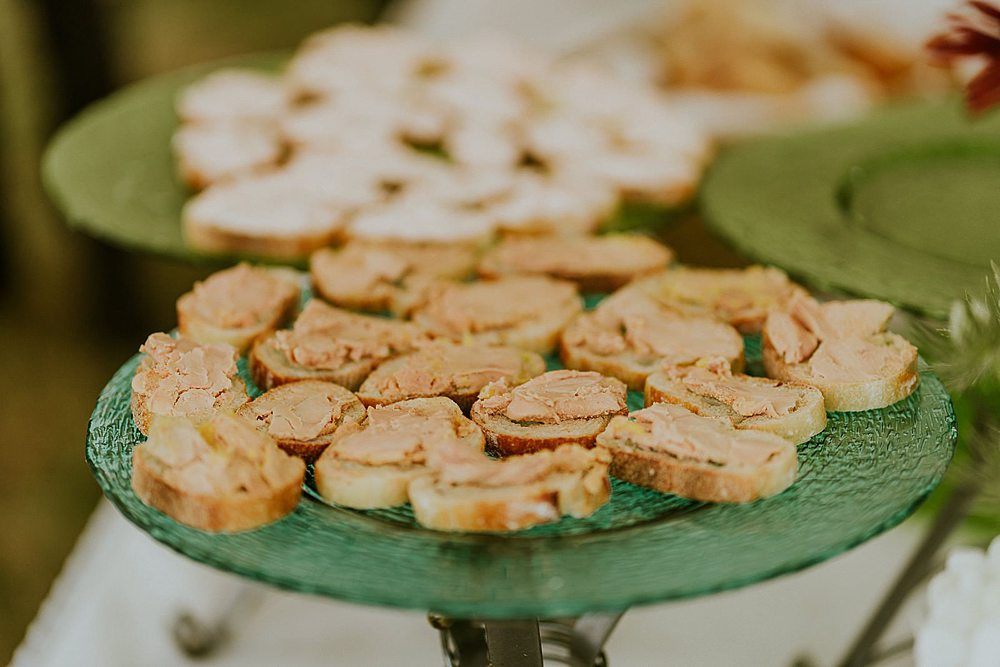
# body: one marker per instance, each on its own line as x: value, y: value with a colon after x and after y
x: 577, y: 642
x: 199, y: 638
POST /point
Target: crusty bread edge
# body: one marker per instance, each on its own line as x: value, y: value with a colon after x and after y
x: 211, y: 513
x: 699, y: 481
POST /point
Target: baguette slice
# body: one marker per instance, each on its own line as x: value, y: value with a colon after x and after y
x: 273, y: 215
x: 668, y: 448
x: 562, y: 203
x: 224, y: 475
x: 842, y: 349
x: 528, y: 312
x: 741, y: 297
x: 628, y: 336
x: 792, y: 410
x: 553, y: 409
x: 369, y: 465
x: 238, y: 305
x: 233, y: 95
x: 332, y: 345
x: 303, y: 417
x: 210, y: 153
x: 182, y: 378
x: 421, y: 217
x: 448, y: 369
x: 595, y: 263
x: 380, y: 277
x: 482, y: 495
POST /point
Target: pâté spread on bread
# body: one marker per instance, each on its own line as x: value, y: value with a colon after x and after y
x: 594, y: 263
x: 458, y: 371
x: 478, y: 494
x: 386, y: 277
x: 740, y: 297
x: 629, y: 335
x: 673, y: 450
x: 303, y: 417
x: 238, y: 304
x: 555, y: 408
x: 327, y: 343
x: 221, y: 475
x: 527, y: 312
x: 370, y: 464
x: 179, y: 377
x: 843, y: 349
x: 793, y: 410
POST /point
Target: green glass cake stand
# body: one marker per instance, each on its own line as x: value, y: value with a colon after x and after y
x: 864, y: 474
x: 901, y: 205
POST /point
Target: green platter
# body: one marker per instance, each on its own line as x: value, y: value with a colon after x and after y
x: 112, y: 174
x: 903, y: 205
x: 864, y: 474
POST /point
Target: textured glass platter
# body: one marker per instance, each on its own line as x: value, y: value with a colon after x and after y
x: 902, y: 205
x: 112, y: 174
x: 864, y: 474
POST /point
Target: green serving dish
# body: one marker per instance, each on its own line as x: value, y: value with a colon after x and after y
x: 864, y: 474
x: 903, y: 205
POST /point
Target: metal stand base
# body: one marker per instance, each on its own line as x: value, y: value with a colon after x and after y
x: 577, y: 642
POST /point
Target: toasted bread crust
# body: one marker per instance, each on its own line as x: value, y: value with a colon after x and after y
x: 697, y: 481
x: 806, y: 420
x: 487, y: 515
x: 210, y: 239
x: 508, y: 438
x: 848, y: 396
x: 211, y: 513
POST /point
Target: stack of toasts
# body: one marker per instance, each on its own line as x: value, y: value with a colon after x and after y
x: 447, y: 404
x: 374, y: 135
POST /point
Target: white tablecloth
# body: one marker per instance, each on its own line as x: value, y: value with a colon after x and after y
x: 120, y: 591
